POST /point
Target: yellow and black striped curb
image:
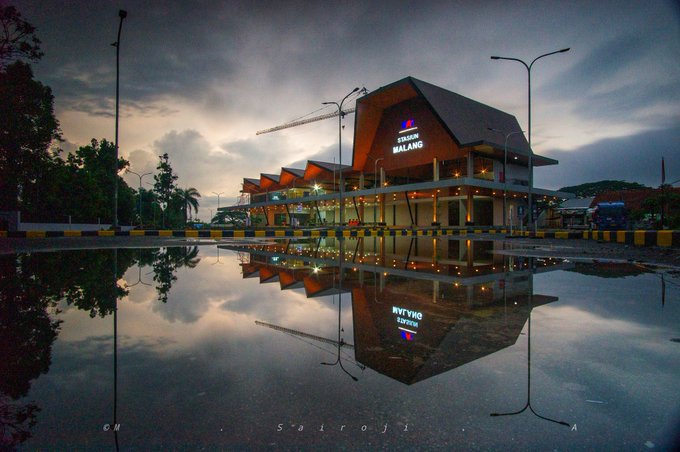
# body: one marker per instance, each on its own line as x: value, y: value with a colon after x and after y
x: 639, y: 238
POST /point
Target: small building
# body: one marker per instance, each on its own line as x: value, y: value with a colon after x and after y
x: 422, y: 156
x: 574, y: 213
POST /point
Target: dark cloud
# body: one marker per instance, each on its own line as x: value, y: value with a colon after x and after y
x: 636, y: 158
x: 212, y: 72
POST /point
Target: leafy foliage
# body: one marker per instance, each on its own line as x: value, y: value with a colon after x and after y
x: 27, y: 127
x: 32, y: 285
x: 595, y: 188
x: 17, y: 37
x: 235, y: 217
x: 87, y: 180
x: 189, y: 198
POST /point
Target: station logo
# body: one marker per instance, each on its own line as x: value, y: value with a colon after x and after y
x: 409, y: 137
x: 408, y: 322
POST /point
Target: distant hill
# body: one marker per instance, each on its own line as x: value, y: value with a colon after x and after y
x: 595, y: 188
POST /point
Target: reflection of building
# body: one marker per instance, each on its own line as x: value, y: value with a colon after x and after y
x: 421, y: 306
x: 422, y: 155
x: 447, y: 335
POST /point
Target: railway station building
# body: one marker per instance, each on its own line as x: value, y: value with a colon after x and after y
x: 422, y: 156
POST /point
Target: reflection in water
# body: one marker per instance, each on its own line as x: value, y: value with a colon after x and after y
x: 418, y: 314
x: 409, y: 308
x: 528, y: 404
x: 32, y: 286
x: 26, y: 336
x: 341, y: 340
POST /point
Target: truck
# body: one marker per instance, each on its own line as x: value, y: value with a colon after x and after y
x: 610, y: 216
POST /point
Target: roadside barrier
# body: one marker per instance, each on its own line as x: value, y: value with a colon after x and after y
x: 638, y: 238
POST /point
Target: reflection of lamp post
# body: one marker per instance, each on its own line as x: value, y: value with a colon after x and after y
x: 341, y: 341
x: 505, y: 164
x: 375, y: 186
x: 528, y: 404
x: 340, y: 115
x: 531, y: 152
x: 140, y: 192
x: 122, y: 14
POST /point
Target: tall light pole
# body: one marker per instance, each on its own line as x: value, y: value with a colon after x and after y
x: 122, y: 14
x: 340, y: 115
x: 218, y: 198
x: 140, y: 191
x: 375, y: 185
x: 531, y: 152
x: 505, y: 165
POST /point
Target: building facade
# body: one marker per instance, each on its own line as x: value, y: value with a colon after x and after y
x: 423, y: 156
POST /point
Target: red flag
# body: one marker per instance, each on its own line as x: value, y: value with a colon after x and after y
x: 663, y: 172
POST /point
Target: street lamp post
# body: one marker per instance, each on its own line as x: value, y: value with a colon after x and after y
x: 505, y: 165
x: 340, y: 115
x: 122, y: 14
x: 531, y: 152
x: 375, y: 186
x: 140, y: 191
x: 218, y: 198
x: 218, y: 203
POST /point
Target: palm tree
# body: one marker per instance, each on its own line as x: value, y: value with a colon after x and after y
x: 189, y: 197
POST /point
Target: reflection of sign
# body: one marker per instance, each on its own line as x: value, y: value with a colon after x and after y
x: 408, y: 321
x: 408, y: 141
x: 406, y: 334
x: 298, y: 208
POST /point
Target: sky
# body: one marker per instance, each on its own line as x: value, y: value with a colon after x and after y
x: 199, y: 78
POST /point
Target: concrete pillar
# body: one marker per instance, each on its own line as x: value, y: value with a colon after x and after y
x: 435, y: 291
x: 435, y: 198
x: 470, y: 205
x: 381, y: 200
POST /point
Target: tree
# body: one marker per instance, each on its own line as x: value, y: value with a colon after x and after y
x: 27, y: 127
x: 95, y: 181
x: 17, y: 38
x: 190, y: 200
x: 595, y: 188
x: 164, y: 186
x: 79, y: 187
x: 234, y: 217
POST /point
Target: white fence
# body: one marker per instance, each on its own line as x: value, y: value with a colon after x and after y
x: 66, y: 227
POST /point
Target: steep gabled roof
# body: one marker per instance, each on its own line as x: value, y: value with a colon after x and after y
x: 329, y: 166
x: 269, y: 181
x: 294, y: 171
x: 469, y: 121
x: 290, y: 175
x: 316, y: 169
x: 466, y: 120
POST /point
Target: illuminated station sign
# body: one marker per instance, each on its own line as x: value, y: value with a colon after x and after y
x: 409, y: 138
x: 408, y: 321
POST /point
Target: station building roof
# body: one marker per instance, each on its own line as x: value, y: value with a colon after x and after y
x: 447, y: 124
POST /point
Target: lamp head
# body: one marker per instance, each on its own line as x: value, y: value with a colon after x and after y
x: 495, y: 58
x: 565, y: 50
x: 122, y: 14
